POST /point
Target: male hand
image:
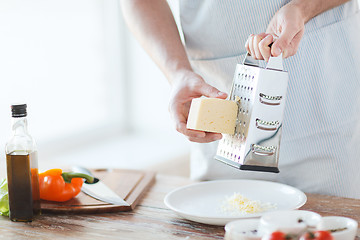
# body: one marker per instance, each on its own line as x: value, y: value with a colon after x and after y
x: 285, y: 29
x: 185, y: 87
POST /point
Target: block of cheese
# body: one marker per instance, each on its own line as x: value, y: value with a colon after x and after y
x: 213, y: 115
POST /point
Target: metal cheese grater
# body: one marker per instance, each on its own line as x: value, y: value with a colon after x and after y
x: 260, y: 95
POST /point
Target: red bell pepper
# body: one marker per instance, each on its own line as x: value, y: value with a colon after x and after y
x: 60, y: 187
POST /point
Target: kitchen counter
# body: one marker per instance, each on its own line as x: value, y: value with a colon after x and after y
x: 150, y: 219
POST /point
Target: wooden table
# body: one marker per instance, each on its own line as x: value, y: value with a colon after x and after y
x: 150, y: 220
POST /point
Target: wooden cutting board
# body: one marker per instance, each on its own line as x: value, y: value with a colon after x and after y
x: 129, y: 184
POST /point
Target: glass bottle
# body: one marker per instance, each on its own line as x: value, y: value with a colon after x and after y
x: 22, y: 169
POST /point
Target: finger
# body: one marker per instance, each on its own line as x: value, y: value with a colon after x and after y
x: 256, y: 42
x: 190, y: 133
x: 247, y: 44
x: 210, y: 91
x: 251, y: 47
x: 210, y: 137
x: 283, y: 41
x: 179, y: 113
x: 254, y: 46
x: 264, y: 47
x: 294, y: 45
x: 195, y: 135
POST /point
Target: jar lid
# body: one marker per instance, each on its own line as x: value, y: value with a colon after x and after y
x: 18, y: 110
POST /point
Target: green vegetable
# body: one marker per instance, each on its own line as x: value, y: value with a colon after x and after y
x: 4, y: 198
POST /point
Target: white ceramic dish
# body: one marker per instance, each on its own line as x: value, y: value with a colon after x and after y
x: 201, y: 202
x: 243, y: 229
x: 335, y: 222
x: 288, y: 221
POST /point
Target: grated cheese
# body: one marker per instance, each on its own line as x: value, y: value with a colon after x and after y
x: 238, y: 203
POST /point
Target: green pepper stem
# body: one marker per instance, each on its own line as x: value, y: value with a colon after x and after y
x: 67, y: 176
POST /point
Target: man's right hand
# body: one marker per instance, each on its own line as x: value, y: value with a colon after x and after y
x: 186, y: 86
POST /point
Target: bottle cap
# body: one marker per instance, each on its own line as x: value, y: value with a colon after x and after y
x: 18, y: 110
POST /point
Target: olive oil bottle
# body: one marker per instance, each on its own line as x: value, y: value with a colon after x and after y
x: 22, y: 169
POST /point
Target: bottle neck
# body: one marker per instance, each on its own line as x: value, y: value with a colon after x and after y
x: 19, y: 126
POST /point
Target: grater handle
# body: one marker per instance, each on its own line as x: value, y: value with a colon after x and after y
x: 249, y: 60
x: 275, y: 63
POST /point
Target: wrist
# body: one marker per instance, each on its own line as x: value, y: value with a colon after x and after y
x: 305, y: 8
x: 180, y: 74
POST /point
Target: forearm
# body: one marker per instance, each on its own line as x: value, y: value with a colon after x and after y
x: 312, y: 8
x: 154, y: 26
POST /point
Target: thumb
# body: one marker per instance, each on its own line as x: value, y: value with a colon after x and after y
x: 210, y: 91
x: 283, y: 41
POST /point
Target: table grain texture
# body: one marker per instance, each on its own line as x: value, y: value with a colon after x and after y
x: 150, y: 219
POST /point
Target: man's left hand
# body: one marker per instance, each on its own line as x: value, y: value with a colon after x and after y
x: 285, y: 29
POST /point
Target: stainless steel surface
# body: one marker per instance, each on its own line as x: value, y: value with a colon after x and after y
x: 99, y: 190
x: 260, y: 94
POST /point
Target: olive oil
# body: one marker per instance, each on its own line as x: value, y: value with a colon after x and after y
x: 23, y: 185
x: 22, y: 169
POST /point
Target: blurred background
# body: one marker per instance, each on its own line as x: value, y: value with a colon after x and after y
x: 94, y: 96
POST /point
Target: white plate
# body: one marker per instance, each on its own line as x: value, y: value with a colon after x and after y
x: 202, y: 202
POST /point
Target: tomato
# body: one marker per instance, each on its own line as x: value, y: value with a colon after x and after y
x: 277, y: 236
x: 317, y: 235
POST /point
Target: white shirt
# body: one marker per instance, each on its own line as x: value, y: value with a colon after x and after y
x: 320, y: 146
